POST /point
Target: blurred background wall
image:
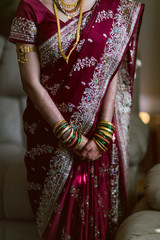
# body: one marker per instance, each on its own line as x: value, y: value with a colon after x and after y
x: 149, y: 52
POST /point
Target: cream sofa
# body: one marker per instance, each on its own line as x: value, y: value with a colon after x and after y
x: 144, y: 222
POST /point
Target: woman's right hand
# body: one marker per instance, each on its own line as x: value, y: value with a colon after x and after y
x: 88, y: 150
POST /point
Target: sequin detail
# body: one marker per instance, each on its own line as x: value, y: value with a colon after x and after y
x: 39, y: 150
x: 60, y: 166
x: 23, y: 29
x: 65, y: 107
x: 82, y: 63
x: 103, y: 15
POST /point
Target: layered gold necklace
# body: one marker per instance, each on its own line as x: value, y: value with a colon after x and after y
x: 66, y: 58
x: 70, y: 10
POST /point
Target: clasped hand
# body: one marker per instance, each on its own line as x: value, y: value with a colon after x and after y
x: 88, y: 150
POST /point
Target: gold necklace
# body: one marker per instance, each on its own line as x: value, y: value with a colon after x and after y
x: 68, y: 5
x: 69, y: 12
x: 66, y: 58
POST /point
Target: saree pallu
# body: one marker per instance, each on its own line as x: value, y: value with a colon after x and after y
x: 72, y: 199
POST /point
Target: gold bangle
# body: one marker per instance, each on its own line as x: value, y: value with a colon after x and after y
x: 22, y: 51
x: 104, y: 139
x: 63, y: 132
x: 100, y: 146
x: 107, y: 123
x: 78, y: 143
x: 70, y: 135
x: 106, y: 133
x: 60, y: 128
x: 106, y: 129
x: 57, y: 124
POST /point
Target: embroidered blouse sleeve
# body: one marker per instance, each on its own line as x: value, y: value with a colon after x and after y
x: 23, y: 28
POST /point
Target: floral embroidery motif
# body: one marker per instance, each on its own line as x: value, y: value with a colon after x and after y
x: 39, y: 150
x: 92, y: 171
x: 65, y: 107
x: 103, y: 170
x: 34, y: 186
x: 30, y: 127
x: 81, y: 63
x: 74, y: 192
x: 101, y: 205
x: 23, y: 29
x: 65, y: 236
x: 83, y: 207
x: 44, y: 79
x: 57, y: 209
x: 51, y: 89
x: 103, y: 15
x: 97, y: 232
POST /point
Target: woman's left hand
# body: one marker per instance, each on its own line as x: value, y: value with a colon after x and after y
x: 91, y: 151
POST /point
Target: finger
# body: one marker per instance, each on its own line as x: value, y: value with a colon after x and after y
x: 85, y: 152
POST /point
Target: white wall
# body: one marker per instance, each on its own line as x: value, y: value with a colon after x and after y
x: 149, y: 49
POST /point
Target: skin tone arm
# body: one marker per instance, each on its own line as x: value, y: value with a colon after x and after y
x: 30, y: 76
x: 91, y: 150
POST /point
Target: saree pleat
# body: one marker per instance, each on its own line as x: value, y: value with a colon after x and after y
x: 70, y: 198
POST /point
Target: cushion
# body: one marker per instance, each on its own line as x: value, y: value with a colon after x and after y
x: 144, y: 225
x: 16, y: 201
x: 138, y: 140
x: 152, y: 187
x: 9, y: 72
x: 141, y: 205
x: 10, y: 120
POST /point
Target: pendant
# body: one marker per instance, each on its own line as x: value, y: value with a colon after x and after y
x: 69, y: 16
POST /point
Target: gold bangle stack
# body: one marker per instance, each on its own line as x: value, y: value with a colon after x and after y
x: 103, y: 135
x: 73, y: 141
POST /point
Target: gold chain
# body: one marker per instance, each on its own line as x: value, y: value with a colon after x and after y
x: 66, y: 58
x: 68, y: 5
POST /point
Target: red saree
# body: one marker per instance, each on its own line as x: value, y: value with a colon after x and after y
x: 72, y: 199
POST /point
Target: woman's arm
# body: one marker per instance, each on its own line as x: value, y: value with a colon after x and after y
x: 91, y: 150
x: 30, y: 76
x: 109, y: 101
